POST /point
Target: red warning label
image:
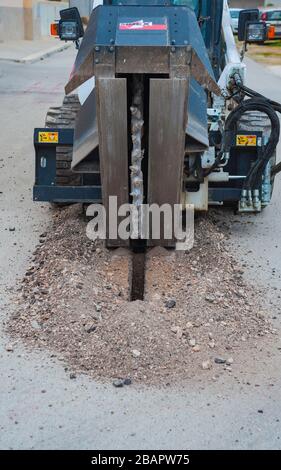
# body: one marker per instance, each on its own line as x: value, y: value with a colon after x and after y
x: 141, y: 25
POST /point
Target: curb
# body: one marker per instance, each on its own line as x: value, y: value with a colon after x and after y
x: 35, y: 57
x: 42, y: 55
x: 275, y: 70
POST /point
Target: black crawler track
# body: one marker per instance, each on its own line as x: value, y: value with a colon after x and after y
x: 64, y: 117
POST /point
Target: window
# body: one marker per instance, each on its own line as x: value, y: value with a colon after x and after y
x: 234, y: 14
x: 187, y: 3
x: 274, y: 15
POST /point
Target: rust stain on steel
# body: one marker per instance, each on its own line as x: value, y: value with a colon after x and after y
x: 166, y: 143
x: 86, y: 134
x: 201, y: 75
x: 113, y: 144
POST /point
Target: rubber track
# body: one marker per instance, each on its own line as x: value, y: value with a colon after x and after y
x: 64, y: 117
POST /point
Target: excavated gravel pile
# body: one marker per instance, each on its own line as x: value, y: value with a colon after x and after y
x: 197, y: 314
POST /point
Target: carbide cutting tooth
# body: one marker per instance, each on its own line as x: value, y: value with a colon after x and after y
x: 137, y: 153
x: 136, y: 126
x: 136, y: 113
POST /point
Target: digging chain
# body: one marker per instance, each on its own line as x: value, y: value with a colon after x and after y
x: 137, y: 157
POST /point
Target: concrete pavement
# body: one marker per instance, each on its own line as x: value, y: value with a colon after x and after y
x: 31, y: 51
x: 40, y: 407
x: 275, y: 69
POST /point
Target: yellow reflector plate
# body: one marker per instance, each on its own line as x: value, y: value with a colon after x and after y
x: 49, y: 137
x: 246, y: 140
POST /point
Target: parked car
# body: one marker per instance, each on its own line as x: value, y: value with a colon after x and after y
x: 273, y: 17
x: 234, y: 13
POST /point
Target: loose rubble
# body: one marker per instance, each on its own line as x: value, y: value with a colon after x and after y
x: 198, y: 309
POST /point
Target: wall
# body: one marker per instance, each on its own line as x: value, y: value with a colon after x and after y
x: 85, y: 6
x: 28, y: 19
x: 253, y: 3
x: 242, y: 3
x: 45, y: 13
x: 11, y: 19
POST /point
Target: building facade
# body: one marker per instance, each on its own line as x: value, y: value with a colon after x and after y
x: 254, y: 3
x: 28, y: 19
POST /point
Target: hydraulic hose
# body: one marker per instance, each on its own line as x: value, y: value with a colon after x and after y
x: 276, y: 169
x: 275, y: 105
x: 256, y: 102
x: 254, y: 94
x: 261, y: 104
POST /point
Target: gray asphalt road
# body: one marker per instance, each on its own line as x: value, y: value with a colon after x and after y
x: 40, y: 407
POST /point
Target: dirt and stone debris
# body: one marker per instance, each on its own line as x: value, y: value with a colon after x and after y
x: 197, y: 315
